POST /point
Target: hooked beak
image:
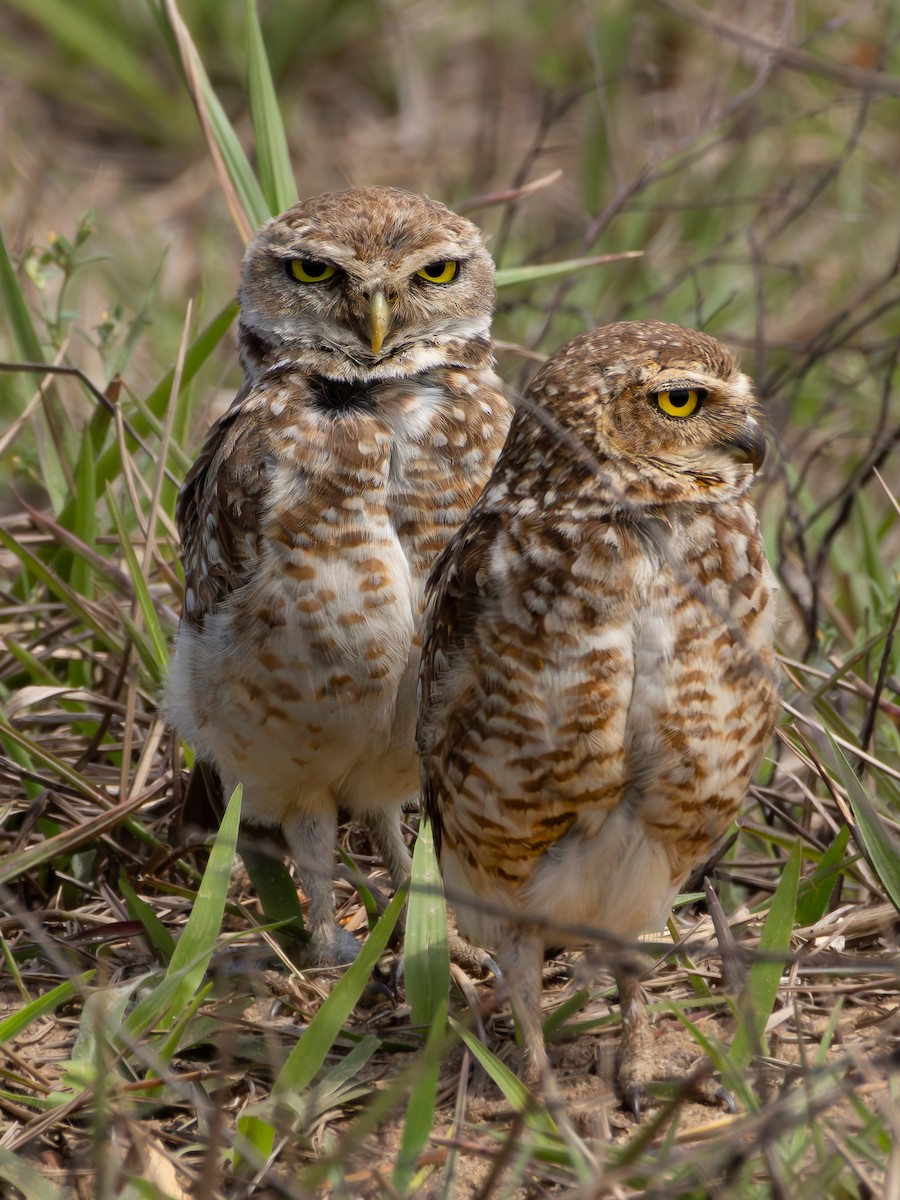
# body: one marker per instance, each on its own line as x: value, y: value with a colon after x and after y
x: 748, y: 445
x: 379, y: 320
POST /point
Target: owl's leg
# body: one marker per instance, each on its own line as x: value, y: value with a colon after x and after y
x: 311, y: 840
x: 522, y: 962
x: 636, y: 1047
x: 637, y: 1058
x: 387, y: 833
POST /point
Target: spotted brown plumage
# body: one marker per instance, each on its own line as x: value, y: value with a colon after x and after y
x: 597, y: 682
x: 368, y: 422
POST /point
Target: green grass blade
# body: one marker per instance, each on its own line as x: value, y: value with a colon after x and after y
x: 306, y: 1059
x: 28, y: 345
x: 25, y: 1179
x: 62, y: 591
x: 816, y: 889
x: 16, y: 1022
x: 273, y: 885
x: 36, y: 670
x: 272, y: 155
x: 166, y: 1004
x: 158, y: 640
x: 167, y: 1046
x: 378, y: 1108
x: 514, y: 1090
x: 242, y: 192
x: 19, y: 754
x: 101, y: 1015
x: 426, y: 958
x: 198, y: 940
x: 420, y: 1109
x: 140, y: 910
x: 333, y: 1087
x: 80, y: 575
x: 880, y: 846
x: 26, y: 340
x: 508, y: 276
x: 758, y: 998
x: 554, y: 1022
x: 109, y: 465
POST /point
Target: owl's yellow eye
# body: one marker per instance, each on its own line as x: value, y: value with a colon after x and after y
x: 439, y: 272
x: 310, y: 270
x: 680, y: 402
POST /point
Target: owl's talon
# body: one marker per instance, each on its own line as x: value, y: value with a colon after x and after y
x: 637, y: 1100
x: 473, y: 960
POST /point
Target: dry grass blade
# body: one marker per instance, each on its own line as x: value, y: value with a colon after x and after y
x: 236, y: 179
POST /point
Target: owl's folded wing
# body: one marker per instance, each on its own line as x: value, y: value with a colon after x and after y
x: 218, y: 513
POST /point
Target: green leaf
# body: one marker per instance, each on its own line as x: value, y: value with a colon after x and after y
x: 16, y: 1022
x: 426, y: 958
x: 306, y: 1059
x: 17, y: 314
x: 140, y: 910
x: 25, y: 1179
x: 158, y: 661
x: 757, y: 1000
x: 236, y: 178
x: 880, y: 846
x: 53, y: 475
x: 272, y: 155
x: 275, y: 889
x: 420, y: 1109
x: 815, y: 891
x: 508, y: 276
x: 198, y: 940
x: 514, y: 1090
x: 73, y: 602
x: 109, y: 465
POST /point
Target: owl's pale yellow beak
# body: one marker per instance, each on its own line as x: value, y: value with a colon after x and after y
x: 748, y: 445
x: 379, y: 320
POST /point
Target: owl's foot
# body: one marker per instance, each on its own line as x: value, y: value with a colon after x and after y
x: 473, y: 960
x: 333, y: 947
x: 638, y: 1060
x: 699, y: 1086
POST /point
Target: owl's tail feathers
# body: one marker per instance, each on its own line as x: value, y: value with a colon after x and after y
x: 203, y: 804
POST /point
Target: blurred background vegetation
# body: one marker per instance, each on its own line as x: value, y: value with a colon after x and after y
x: 750, y: 151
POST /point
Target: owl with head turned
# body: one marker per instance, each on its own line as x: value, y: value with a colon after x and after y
x: 367, y: 424
x: 598, y: 678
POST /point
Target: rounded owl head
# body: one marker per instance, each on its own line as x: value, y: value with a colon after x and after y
x: 365, y: 284
x: 666, y: 410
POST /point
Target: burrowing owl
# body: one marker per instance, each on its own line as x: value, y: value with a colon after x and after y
x: 597, y: 682
x: 369, y: 419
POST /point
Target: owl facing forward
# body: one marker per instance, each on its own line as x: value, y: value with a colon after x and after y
x: 597, y: 682
x: 366, y: 426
